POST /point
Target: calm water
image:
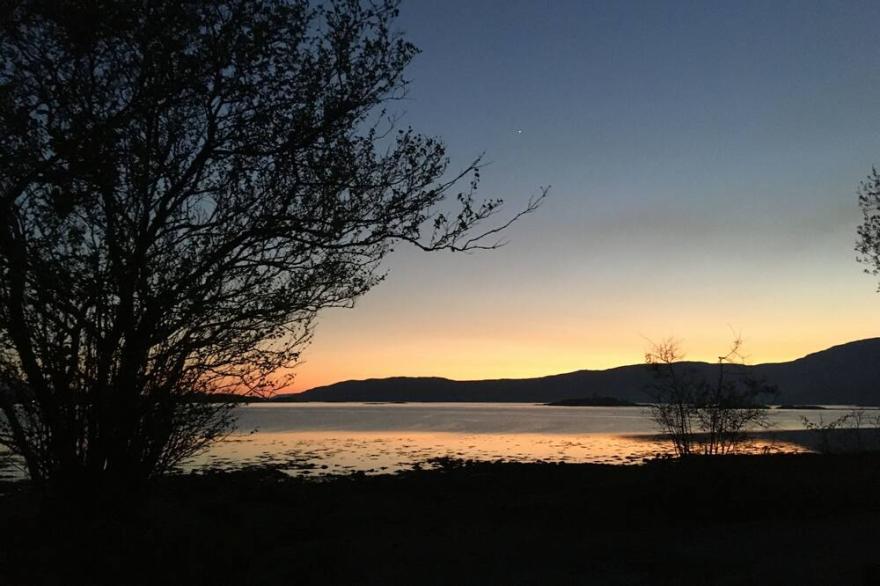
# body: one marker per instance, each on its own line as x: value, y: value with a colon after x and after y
x: 337, y: 438
x: 322, y: 438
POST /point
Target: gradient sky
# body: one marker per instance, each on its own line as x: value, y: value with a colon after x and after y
x: 703, y: 158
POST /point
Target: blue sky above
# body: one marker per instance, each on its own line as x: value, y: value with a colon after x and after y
x: 703, y: 158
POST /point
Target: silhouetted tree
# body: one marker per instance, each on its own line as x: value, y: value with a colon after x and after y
x: 183, y: 186
x: 857, y: 430
x: 699, y: 415
x: 868, y: 244
x: 674, y: 395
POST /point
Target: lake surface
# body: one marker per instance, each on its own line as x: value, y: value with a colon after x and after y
x: 331, y: 438
x: 313, y: 439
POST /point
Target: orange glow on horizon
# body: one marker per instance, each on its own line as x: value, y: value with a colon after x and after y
x: 469, y: 360
x: 485, y: 325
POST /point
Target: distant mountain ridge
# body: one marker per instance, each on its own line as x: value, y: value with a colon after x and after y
x: 844, y: 374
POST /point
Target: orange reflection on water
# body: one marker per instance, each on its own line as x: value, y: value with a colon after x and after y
x: 335, y: 452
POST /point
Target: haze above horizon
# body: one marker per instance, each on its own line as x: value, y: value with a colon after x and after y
x: 703, y: 160
x: 552, y: 374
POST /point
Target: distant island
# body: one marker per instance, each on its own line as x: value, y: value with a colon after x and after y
x: 847, y: 374
x: 593, y: 401
x: 224, y: 398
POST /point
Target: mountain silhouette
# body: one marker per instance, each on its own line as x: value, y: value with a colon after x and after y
x: 848, y: 374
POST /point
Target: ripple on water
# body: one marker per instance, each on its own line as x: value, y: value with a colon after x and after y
x: 377, y: 453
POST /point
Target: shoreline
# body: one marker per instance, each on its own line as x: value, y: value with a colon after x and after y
x: 703, y: 520
x: 327, y: 453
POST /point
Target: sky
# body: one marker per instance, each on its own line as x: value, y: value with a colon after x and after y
x: 703, y: 159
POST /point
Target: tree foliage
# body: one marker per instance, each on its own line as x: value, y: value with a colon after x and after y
x: 868, y: 243
x: 183, y: 187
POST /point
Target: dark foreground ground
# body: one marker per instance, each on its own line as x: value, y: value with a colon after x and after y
x: 803, y: 519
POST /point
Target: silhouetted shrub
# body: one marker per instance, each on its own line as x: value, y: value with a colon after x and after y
x: 699, y: 416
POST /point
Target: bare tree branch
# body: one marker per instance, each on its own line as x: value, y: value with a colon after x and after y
x: 185, y: 186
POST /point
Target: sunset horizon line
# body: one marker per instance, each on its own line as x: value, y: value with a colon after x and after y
x: 563, y: 372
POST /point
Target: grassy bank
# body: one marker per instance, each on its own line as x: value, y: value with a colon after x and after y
x: 790, y: 519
